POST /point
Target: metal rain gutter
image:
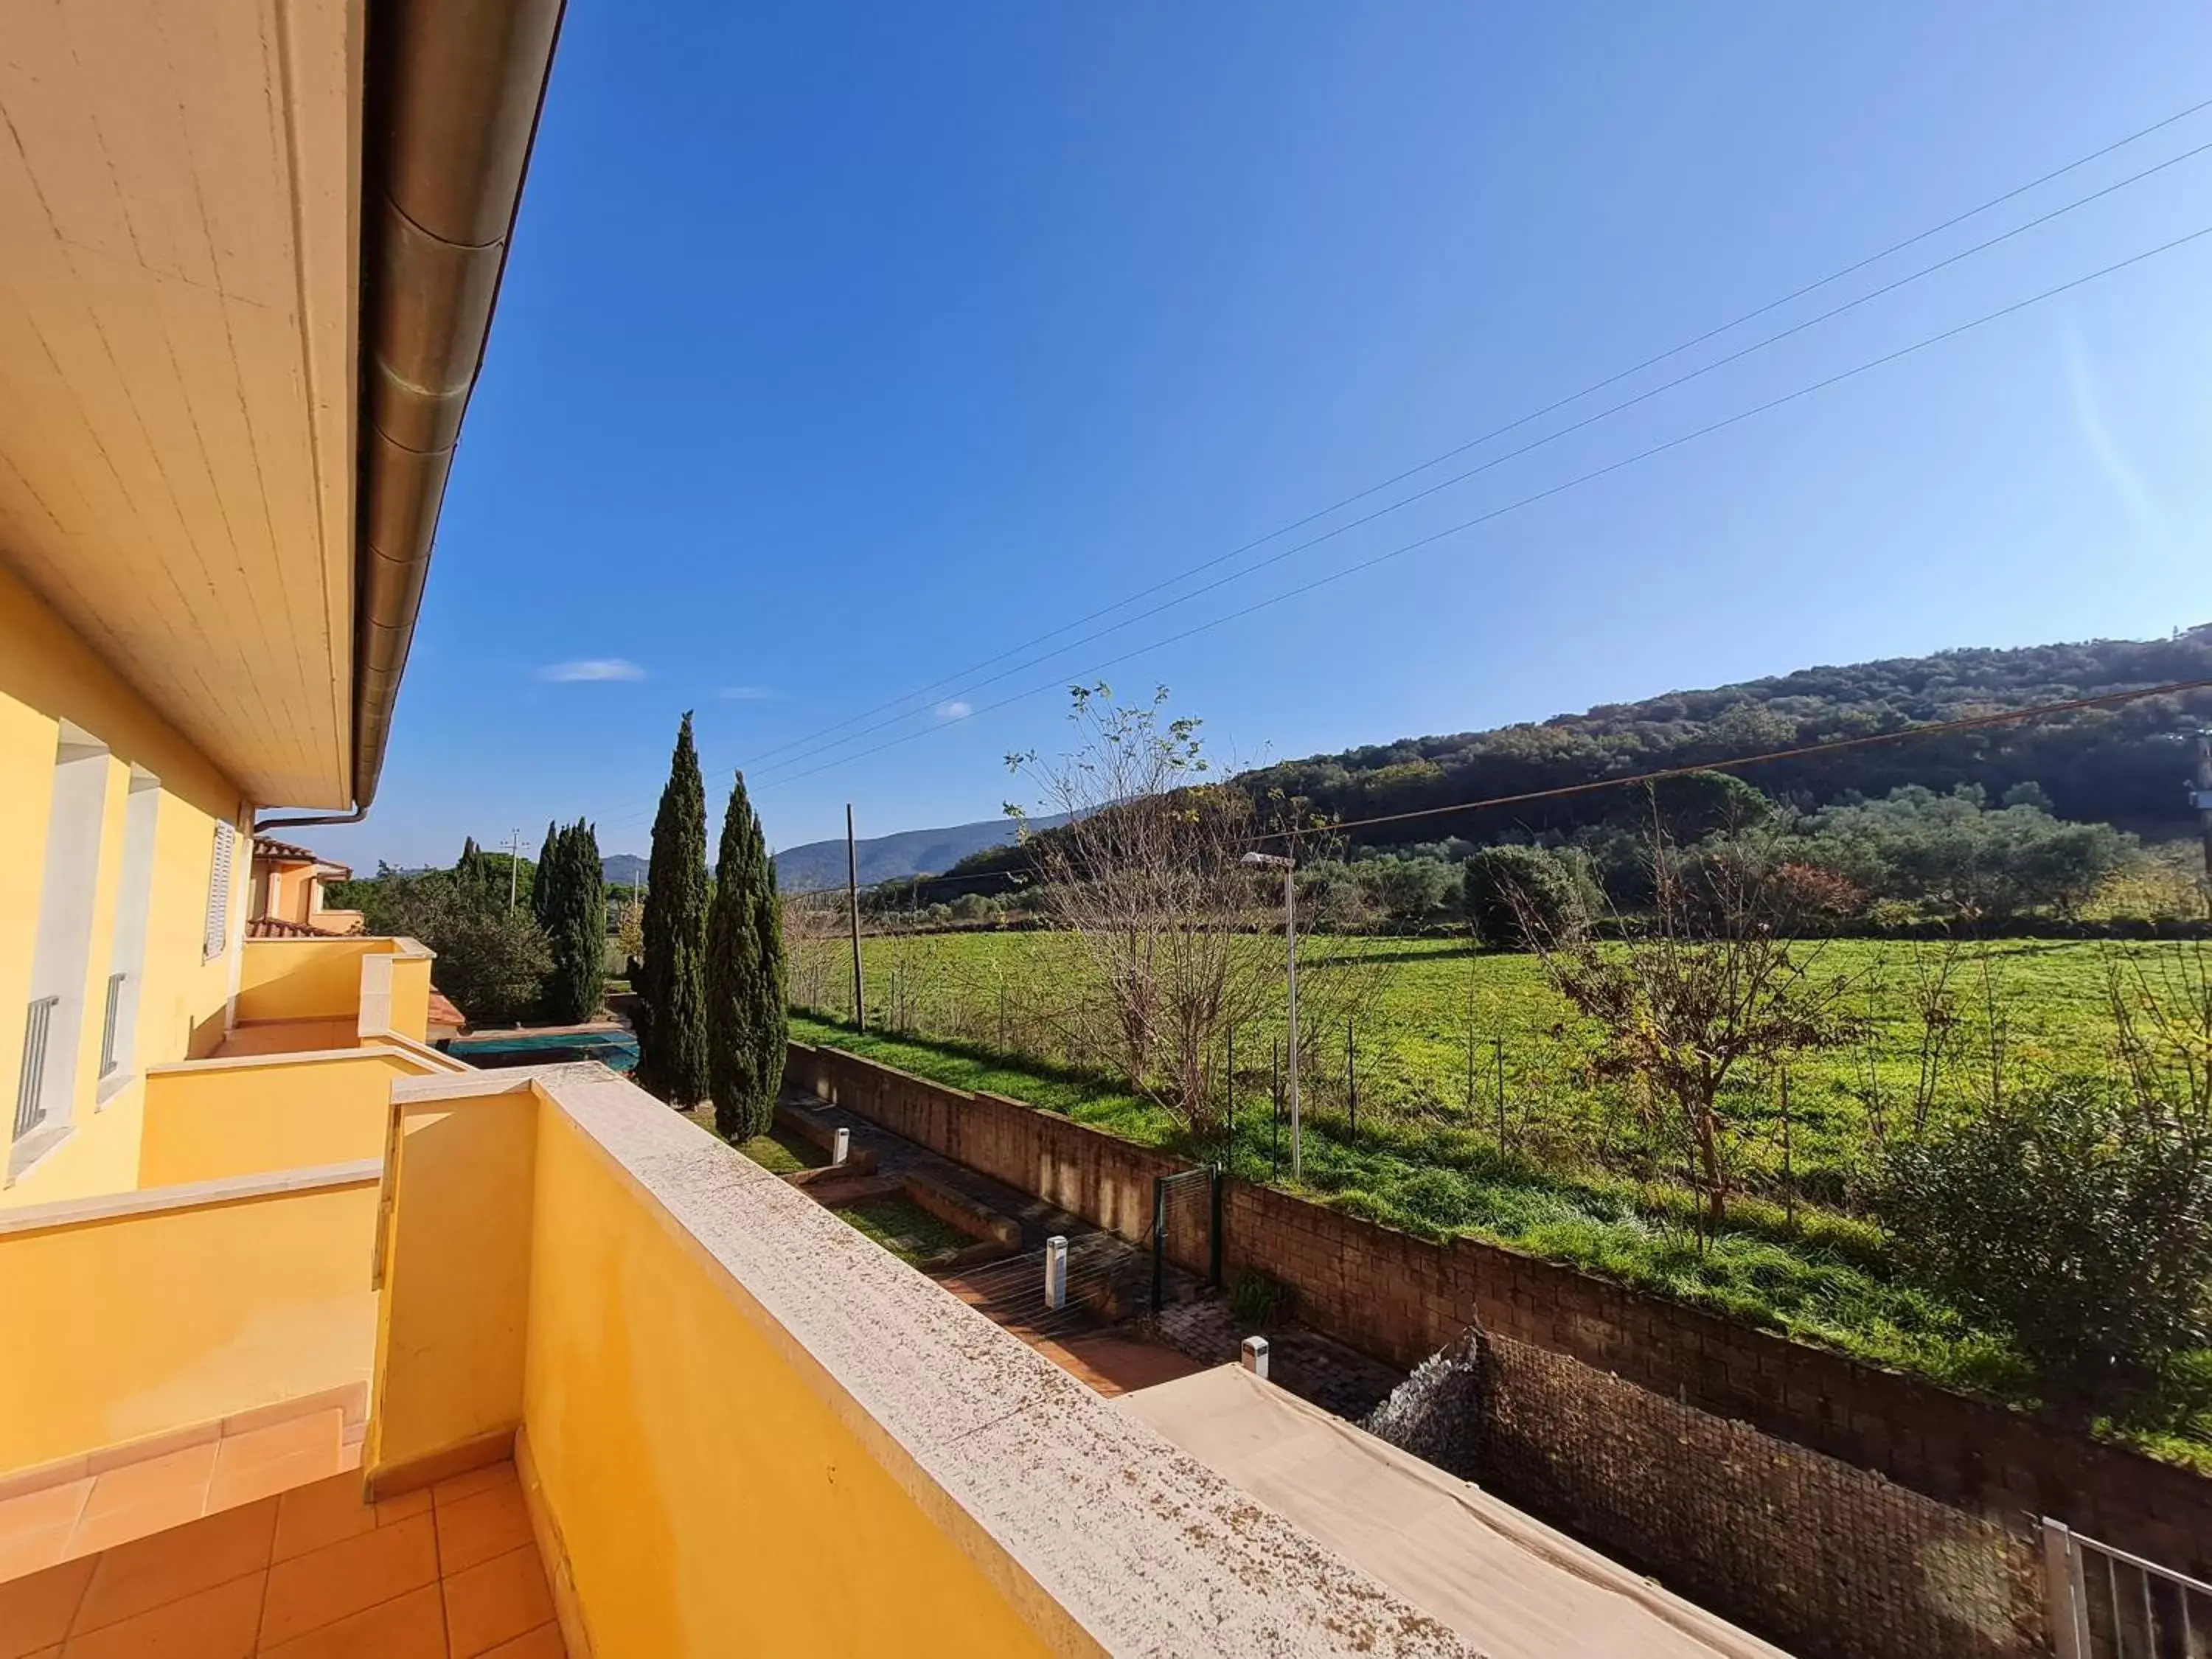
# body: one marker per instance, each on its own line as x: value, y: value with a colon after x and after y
x: 455, y: 89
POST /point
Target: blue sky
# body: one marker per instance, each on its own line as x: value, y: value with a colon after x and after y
x: 844, y: 347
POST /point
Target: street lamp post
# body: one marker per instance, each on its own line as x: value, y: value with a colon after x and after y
x: 1289, y: 867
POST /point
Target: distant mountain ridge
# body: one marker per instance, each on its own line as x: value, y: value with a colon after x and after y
x: 2124, y: 765
x: 889, y: 858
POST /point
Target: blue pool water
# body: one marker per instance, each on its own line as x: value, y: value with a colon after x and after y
x: 616, y: 1050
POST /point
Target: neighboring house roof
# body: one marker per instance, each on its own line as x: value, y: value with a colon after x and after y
x: 277, y: 928
x: 285, y: 852
x: 443, y: 1011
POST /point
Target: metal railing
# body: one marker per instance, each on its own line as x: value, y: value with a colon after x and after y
x: 31, y: 1089
x: 107, y: 1054
x: 2108, y: 1604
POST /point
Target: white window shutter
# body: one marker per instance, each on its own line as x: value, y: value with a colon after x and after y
x: 218, y: 904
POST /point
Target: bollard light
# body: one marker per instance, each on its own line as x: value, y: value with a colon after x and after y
x: 1256, y: 1356
x: 1055, y: 1272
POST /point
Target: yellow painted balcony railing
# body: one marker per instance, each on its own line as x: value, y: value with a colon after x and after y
x: 745, y: 1428
x: 144, y: 1316
x: 296, y: 995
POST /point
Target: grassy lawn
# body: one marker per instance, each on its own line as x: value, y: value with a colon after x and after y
x: 782, y: 1153
x: 1818, y: 1275
x: 1450, y: 1032
x: 905, y: 1229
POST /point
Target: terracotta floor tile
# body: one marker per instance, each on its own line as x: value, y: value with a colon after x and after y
x: 327, y: 1584
x: 476, y: 1480
x: 544, y: 1643
x: 409, y: 1626
x: 322, y: 1512
x: 217, y: 1623
x: 389, y: 1510
x: 35, y: 1611
x: 243, y: 1483
x: 496, y: 1602
x: 44, y: 1510
x: 25, y: 1553
x: 133, y: 1578
x: 475, y: 1528
x: 133, y: 1486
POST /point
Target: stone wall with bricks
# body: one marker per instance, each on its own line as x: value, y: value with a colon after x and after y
x: 1400, y: 1298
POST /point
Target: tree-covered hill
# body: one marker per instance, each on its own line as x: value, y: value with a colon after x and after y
x: 2126, y: 765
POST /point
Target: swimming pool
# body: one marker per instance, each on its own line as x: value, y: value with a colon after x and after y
x: 616, y: 1050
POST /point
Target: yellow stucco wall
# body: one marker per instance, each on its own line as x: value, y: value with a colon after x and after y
x: 48, y: 676
x: 449, y: 1338
x: 215, y: 1118
x: 410, y: 996
x: 710, y: 1499
x: 304, y: 978
x: 130, y: 1327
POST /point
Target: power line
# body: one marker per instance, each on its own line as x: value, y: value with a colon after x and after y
x: 1495, y: 461
x: 1832, y: 746
x: 1529, y: 500
x: 1797, y: 751
x: 1799, y: 293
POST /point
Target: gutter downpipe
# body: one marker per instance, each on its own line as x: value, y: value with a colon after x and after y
x: 454, y: 91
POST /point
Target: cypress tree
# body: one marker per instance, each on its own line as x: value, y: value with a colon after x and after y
x: 547, y: 884
x: 472, y: 872
x: 671, y: 1059
x: 577, y: 927
x: 747, y: 1022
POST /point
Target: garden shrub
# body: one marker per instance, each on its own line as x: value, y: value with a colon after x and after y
x: 1258, y: 1302
x: 2075, y: 1215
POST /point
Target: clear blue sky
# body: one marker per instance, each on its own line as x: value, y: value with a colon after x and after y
x: 842, y: 347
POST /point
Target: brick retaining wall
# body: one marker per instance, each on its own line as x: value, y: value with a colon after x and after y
x: 1400, y: 1298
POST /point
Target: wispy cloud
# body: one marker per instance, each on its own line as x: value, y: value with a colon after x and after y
x: 955, y: 710
x: 592, y: 668
x: 748, y: 693
x: 2119, y: 469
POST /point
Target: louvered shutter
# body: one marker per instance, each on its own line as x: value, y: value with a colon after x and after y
x: 218, y: 905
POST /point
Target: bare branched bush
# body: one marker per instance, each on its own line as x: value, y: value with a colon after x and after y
x: 2161, y: 1010
x: 1146, y: 874
x: 1708, y: 988
x: 817, y: 947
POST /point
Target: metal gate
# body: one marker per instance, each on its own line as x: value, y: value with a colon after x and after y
x: 2108, y: 1604
x: 1185, y: 1224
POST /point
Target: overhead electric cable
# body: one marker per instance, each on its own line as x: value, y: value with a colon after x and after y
x: 1657, y: 774
x: 1495, y: 461
x: 1799, y: 293
x: 1830, y: 746
x: 1576, y: 482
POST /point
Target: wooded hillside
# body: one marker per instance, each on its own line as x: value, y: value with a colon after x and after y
x: 2128, y: 765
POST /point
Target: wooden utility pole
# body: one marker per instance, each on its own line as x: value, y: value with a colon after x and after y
x: 852, y: 912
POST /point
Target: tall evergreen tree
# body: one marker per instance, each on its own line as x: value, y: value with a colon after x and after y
x: 578, y: 927
x: 747, y: 1022
x: 472, y: 873
x: 543, y: 891
x: 671, y: 1059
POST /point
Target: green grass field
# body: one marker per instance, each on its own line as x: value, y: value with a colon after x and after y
x: 1446, y: 1025
x: 1575, y: 1178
